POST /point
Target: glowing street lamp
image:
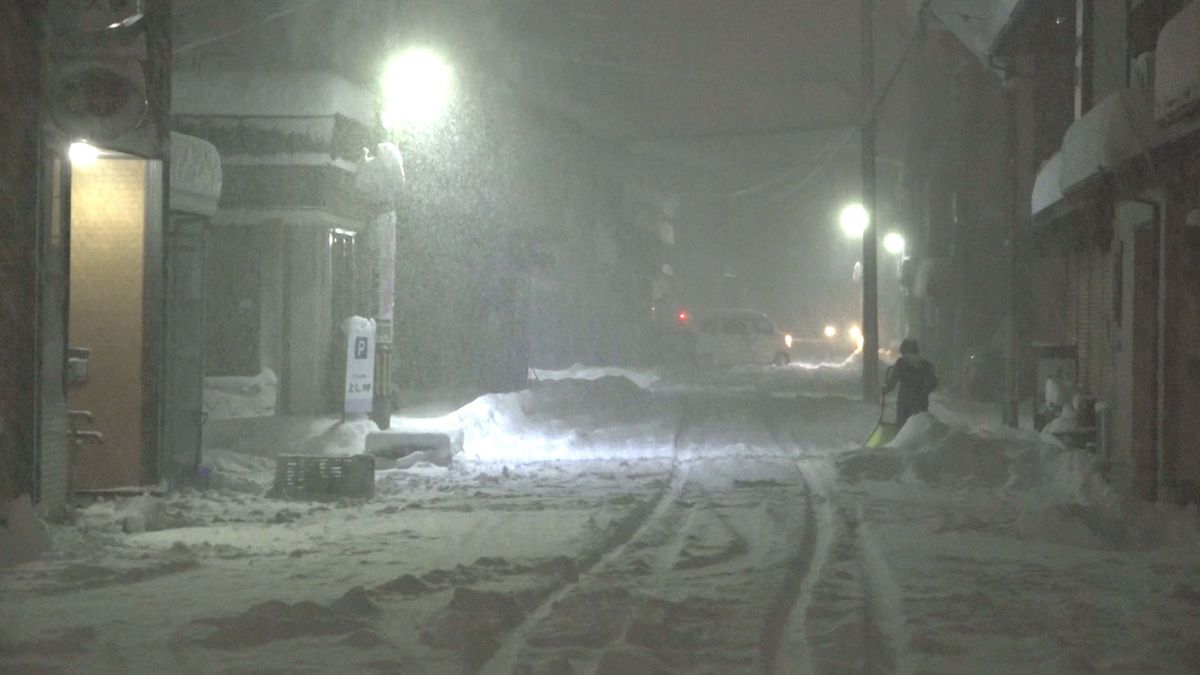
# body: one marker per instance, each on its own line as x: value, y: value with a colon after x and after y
x: 893, y: 242
x: 830, y: 331
x: 416, y: 87
x: 854, y: 220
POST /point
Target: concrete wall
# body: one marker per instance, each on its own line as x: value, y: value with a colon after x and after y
x: 307, y: 304
x: 19, y: 92
x: 1110, y: 55
x: 1181, y: 373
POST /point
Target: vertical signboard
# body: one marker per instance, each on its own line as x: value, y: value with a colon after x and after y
x: 360, y: 365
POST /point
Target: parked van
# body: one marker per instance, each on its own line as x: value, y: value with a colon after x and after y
x: 736, y: 337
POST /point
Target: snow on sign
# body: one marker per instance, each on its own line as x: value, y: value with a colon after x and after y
x: 360, y: 364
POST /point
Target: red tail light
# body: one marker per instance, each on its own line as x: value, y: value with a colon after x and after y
x: 683, y: 316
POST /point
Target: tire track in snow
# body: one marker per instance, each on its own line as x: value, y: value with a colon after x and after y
x: 505, y: 659
x: 885, y: 630
x: 785, y: 635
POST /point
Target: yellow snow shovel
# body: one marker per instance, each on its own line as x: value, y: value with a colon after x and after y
x: 884, y: 431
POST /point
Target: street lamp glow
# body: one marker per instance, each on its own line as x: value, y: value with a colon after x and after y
x: 82, y: 153
x: 854, y: 220
x: 830, y: 331
x: 893, y: 242
x: 856, y: 336
x: 416, y: 89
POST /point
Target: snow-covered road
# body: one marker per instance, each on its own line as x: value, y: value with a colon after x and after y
x: 616, y: 522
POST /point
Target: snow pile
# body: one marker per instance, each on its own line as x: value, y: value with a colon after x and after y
x: 608, y: 417
x: 131, y: 515
x: 1060, y: 495
x: 23, y: 536
x: 645, y: 380
x: 230, y: 397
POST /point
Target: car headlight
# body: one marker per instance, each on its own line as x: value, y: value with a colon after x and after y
x: 787, y: 340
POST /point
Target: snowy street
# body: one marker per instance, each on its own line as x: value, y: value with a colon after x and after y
x: 732, y: 524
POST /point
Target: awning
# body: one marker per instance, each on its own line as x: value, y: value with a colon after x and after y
x: 1177, y: 67
x: 195, y: 175
x: 1046, y: 187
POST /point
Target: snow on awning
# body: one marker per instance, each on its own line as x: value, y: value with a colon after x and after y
x: 1118, y: 129
x: 195, y: 175
x: 1177, y: 67
x: 1047, y: 189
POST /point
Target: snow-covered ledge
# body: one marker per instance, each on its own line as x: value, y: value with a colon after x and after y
x: 1047, y: 190
x: 1177, y: 67
x: 195, y: 175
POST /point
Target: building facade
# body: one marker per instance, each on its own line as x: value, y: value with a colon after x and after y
x: 1109, y: 176
x: 102, y: 380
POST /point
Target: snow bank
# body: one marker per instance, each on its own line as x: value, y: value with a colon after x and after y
x: 23, y: 536
x: 229, y: 397
x: 1060, y: 495
x: 645, y: 380
x: 608, y: 417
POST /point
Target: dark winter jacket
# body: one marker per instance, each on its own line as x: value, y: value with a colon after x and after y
x: 917, y: 381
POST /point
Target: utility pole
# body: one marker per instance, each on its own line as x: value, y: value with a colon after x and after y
x: 870, y: 279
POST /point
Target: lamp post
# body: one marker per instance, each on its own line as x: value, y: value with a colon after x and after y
x: 870, y: 318
x: 415, y: 87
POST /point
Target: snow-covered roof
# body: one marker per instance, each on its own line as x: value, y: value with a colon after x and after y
x: 195, y: 175
x: 269, y: 92
x: 1177, y: 67
x: 1047, y: 190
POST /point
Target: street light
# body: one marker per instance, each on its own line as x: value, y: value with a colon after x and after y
x: 893, y: 242
x: 416, y: 89
x: 854, y: 220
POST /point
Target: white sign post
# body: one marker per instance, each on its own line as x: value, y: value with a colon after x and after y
x: 360, y: 365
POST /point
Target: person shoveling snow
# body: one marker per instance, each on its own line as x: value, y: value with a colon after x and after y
x: 916, y: 378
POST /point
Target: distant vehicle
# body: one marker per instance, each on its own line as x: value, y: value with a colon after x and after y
x: 737, y: 337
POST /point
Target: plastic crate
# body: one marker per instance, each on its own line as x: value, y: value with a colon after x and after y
x: 324, y: 477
